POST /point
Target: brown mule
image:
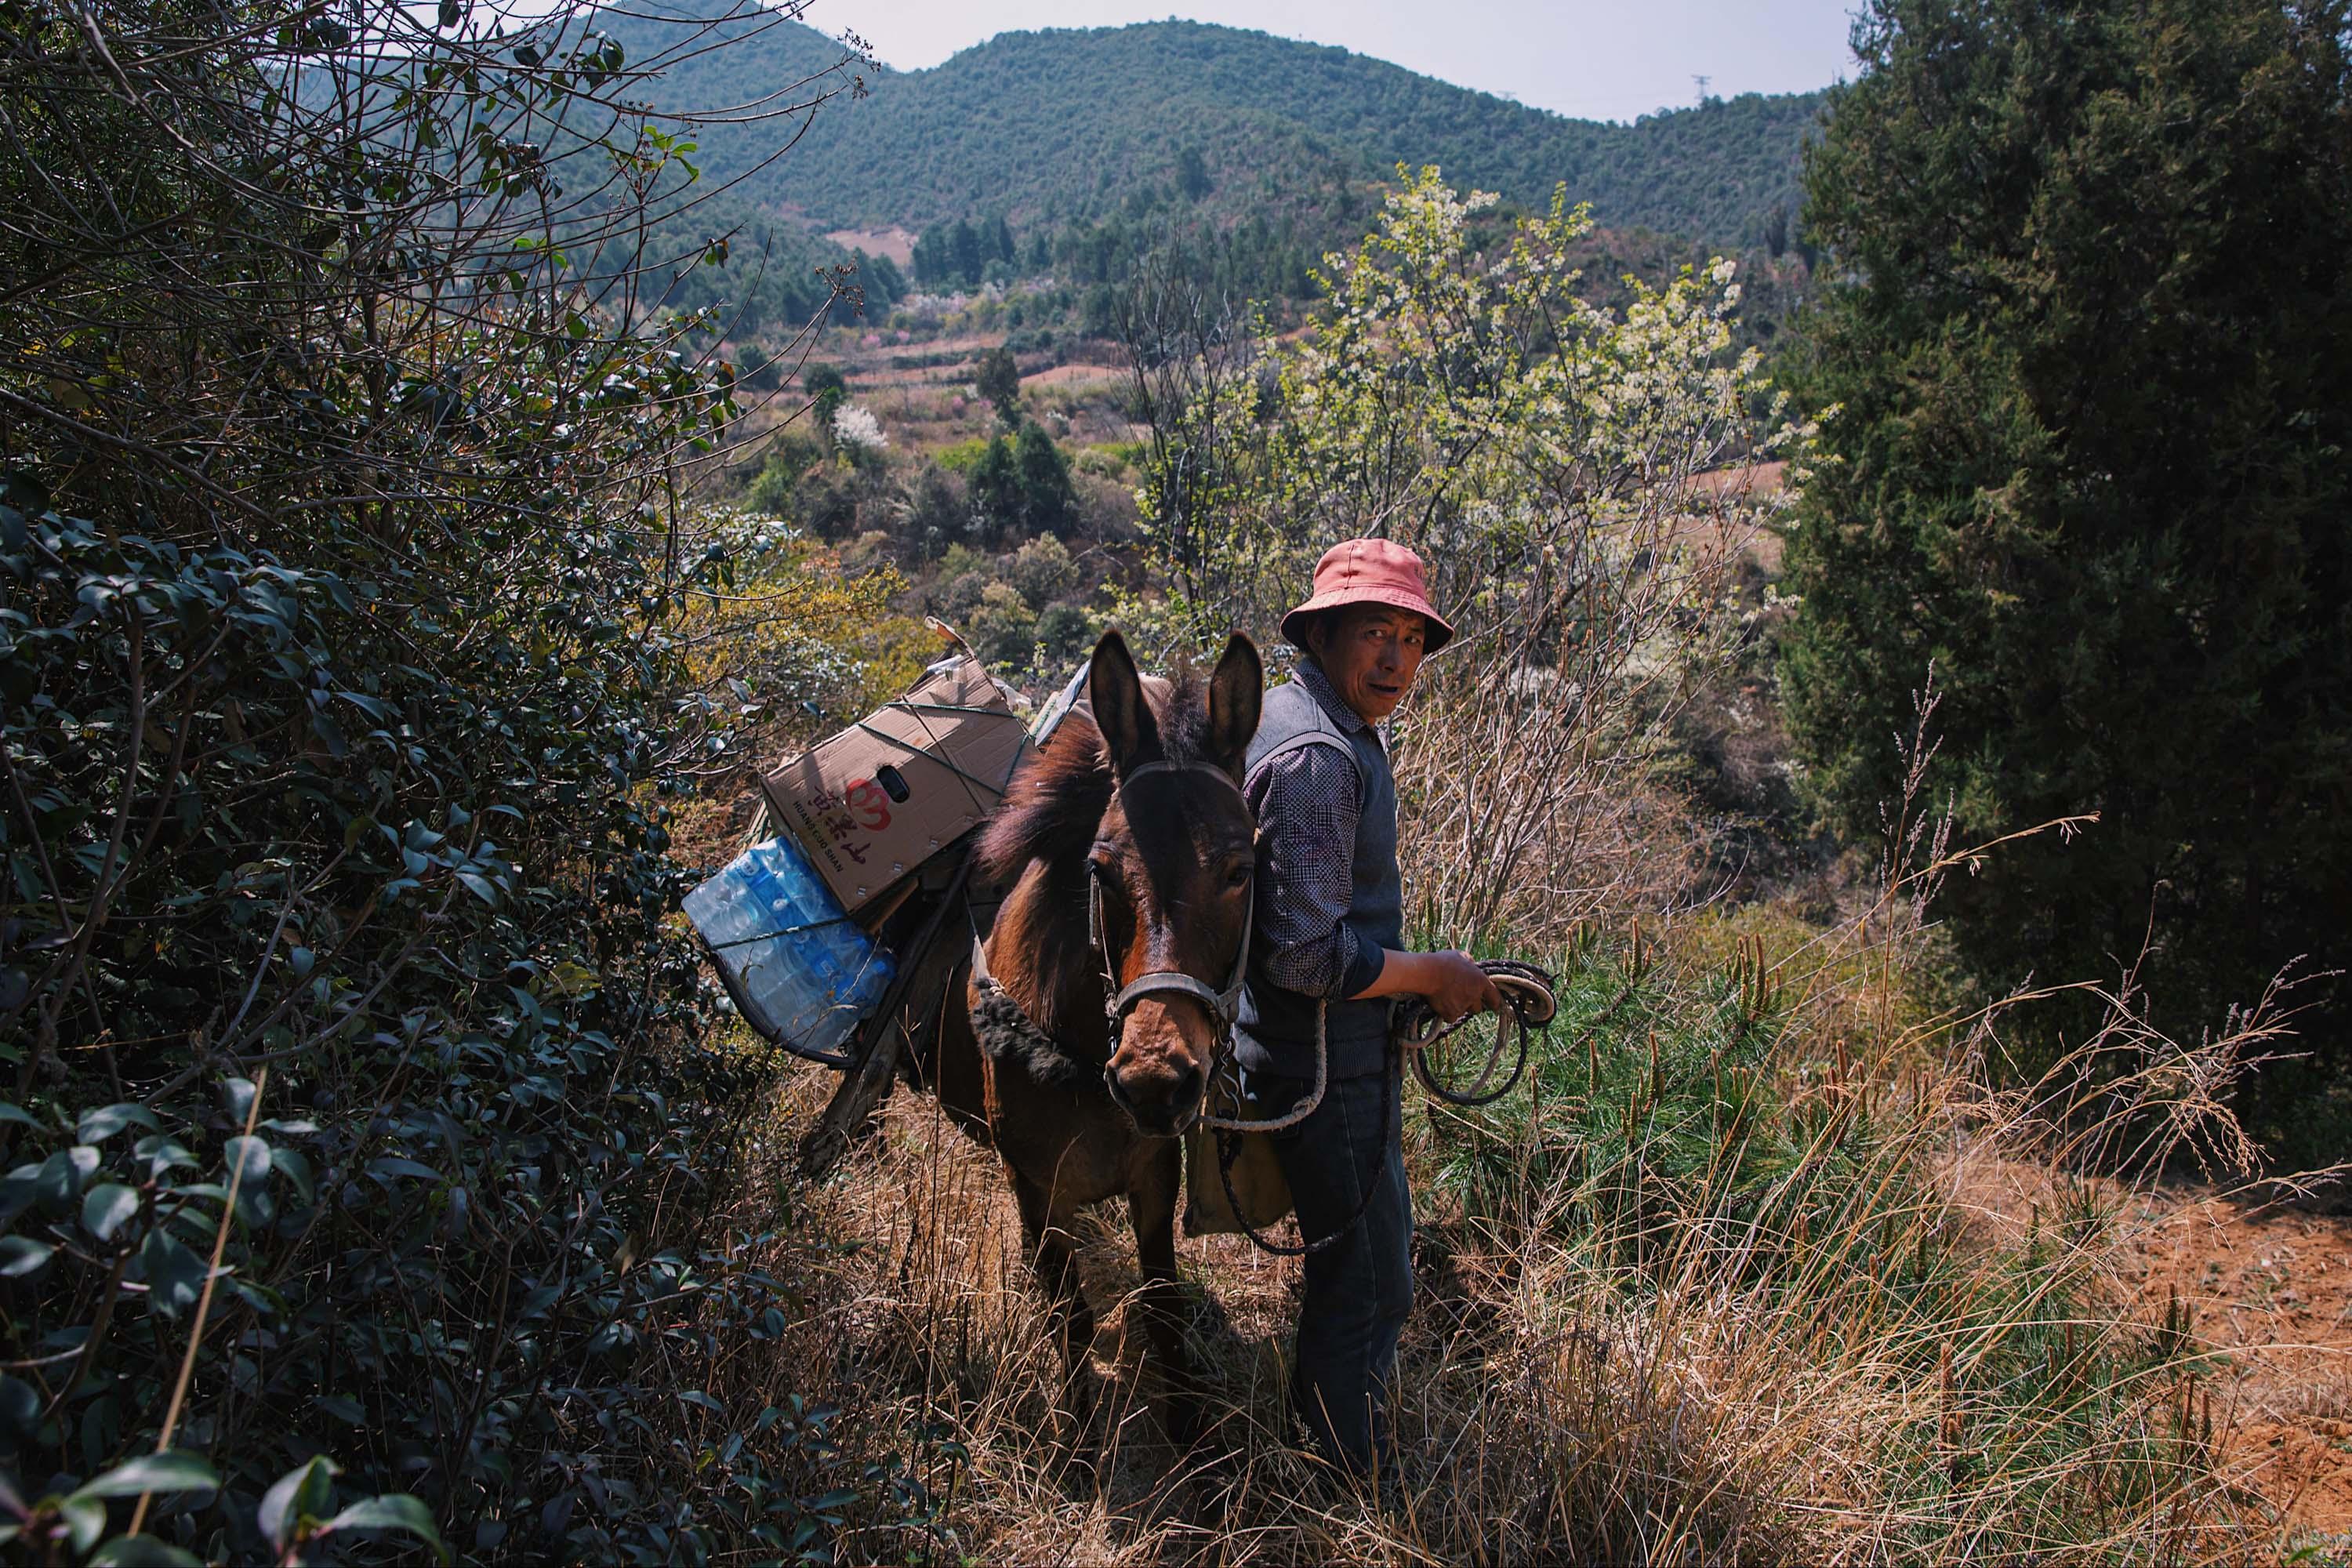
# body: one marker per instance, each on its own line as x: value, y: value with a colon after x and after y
x: 1081, y: 1107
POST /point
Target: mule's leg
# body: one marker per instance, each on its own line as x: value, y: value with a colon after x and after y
x: 1055, y: 1260
x: 1157, y: 1177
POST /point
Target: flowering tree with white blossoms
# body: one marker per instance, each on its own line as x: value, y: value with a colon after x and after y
x: 855, y: 427
x: 1545, y: 456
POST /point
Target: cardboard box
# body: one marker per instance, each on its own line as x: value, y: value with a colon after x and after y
x: 885, y: 794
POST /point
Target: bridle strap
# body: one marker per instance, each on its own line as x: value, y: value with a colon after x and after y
x: 1168, y: 980
x: 1164, y: 766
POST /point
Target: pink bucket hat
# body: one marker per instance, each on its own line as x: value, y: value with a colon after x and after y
x: 1369, y: 571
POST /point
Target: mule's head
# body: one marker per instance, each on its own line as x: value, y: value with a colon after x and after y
x: 1171, y: 867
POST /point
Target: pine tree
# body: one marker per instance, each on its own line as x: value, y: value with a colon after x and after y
x: 965, y: 244
x: 827, y: 392
x: 1193, y: 174
x: 933, y: 258
x: 1049, y: 504
x: 996, y: 376
x: 995, y: 486
x: 2089, y: 331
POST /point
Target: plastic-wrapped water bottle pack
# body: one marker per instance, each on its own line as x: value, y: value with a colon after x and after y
x: 801, y: 971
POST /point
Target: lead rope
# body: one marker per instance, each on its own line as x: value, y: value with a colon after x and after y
x: 1529, y: 1005
x: 1229, y: 1130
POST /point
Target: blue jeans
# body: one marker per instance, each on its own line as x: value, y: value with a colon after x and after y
x: 1359, y: 1288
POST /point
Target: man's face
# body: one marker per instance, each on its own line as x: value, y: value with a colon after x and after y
x: 1370, y: 653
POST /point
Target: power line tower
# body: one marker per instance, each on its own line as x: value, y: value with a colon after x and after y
x: 1702, y: 83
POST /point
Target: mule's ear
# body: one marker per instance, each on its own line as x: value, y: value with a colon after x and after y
x: 1128, y: 731
x: 1235, y: 693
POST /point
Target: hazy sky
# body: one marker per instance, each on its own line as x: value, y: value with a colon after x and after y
x: 1599, y: 59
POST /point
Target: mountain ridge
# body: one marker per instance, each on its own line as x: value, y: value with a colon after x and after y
x: 1056, y: 123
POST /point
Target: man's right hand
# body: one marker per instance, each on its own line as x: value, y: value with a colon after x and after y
x: 1459, y: 987
x: 1451, y: 981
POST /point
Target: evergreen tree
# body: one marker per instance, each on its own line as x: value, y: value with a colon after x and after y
x: 1193, y: 174
x: 997, y: 378
x: 827, y: 392
x: 2090, y: 333
x: 964, y: 241
x: 1020, y: 486
x: 933, y: 258
x: 1049, y: 504
x: 995, y: 487
x: 1000, y: 239
x: 885, y: 284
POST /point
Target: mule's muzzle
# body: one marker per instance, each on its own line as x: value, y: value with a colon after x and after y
x: 1162, y: 1100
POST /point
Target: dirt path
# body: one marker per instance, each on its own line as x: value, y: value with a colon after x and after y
x: 2269, y: 1286
x: 2274, y: 1287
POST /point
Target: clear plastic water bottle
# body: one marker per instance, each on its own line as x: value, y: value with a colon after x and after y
x: 803, y: 971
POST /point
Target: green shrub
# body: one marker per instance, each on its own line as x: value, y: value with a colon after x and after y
x: 1042, y: 570
x: 938, y: 513
x: 1003, y: 627
x: 962, y: 457
x: 405, y: 959
x: 1021, y: 485
x: 343, y: 714
x: 778, y: 480
x: 1065, y: 633
x: 771, y: 490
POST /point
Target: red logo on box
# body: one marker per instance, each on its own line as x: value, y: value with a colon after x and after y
x: 868, y: 805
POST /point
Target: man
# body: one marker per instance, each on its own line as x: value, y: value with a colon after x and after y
x: 1330, y: 933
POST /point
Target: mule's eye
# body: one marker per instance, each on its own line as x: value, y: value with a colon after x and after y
x: 1238, y: 874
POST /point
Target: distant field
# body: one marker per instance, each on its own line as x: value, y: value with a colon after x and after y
x: 897, y: 244
x: 1075, y: 375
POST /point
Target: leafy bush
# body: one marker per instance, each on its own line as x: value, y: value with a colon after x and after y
x: 962, y: 457
x: 998, y: 379
x: 1021, y: 485
x: 1042, y: 570
x: 937, y: 512
x: 827, y: 391
x: 1003, y: 627
x: 828, y: 500
x: 1065, y: 633
x: 1544, y: 456
x: 456, y: 1068
x: 366, y: 1095
x: 773, y: 488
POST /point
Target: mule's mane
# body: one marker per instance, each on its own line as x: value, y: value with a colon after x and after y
x: 1057, y: 799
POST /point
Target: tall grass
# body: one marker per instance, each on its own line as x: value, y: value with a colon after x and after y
x: 1721, y: 1280
x: 1760, y: 1261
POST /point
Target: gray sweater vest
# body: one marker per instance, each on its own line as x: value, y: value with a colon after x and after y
x: 1277, y: 1032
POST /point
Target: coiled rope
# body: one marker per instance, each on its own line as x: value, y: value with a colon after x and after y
x: 1528, y: 1004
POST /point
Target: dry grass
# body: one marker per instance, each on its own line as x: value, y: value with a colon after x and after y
x: 1761, y: 1263
x: 1728, y: 1280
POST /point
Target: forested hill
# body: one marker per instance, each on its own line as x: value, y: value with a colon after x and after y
x: 1067, y: 122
